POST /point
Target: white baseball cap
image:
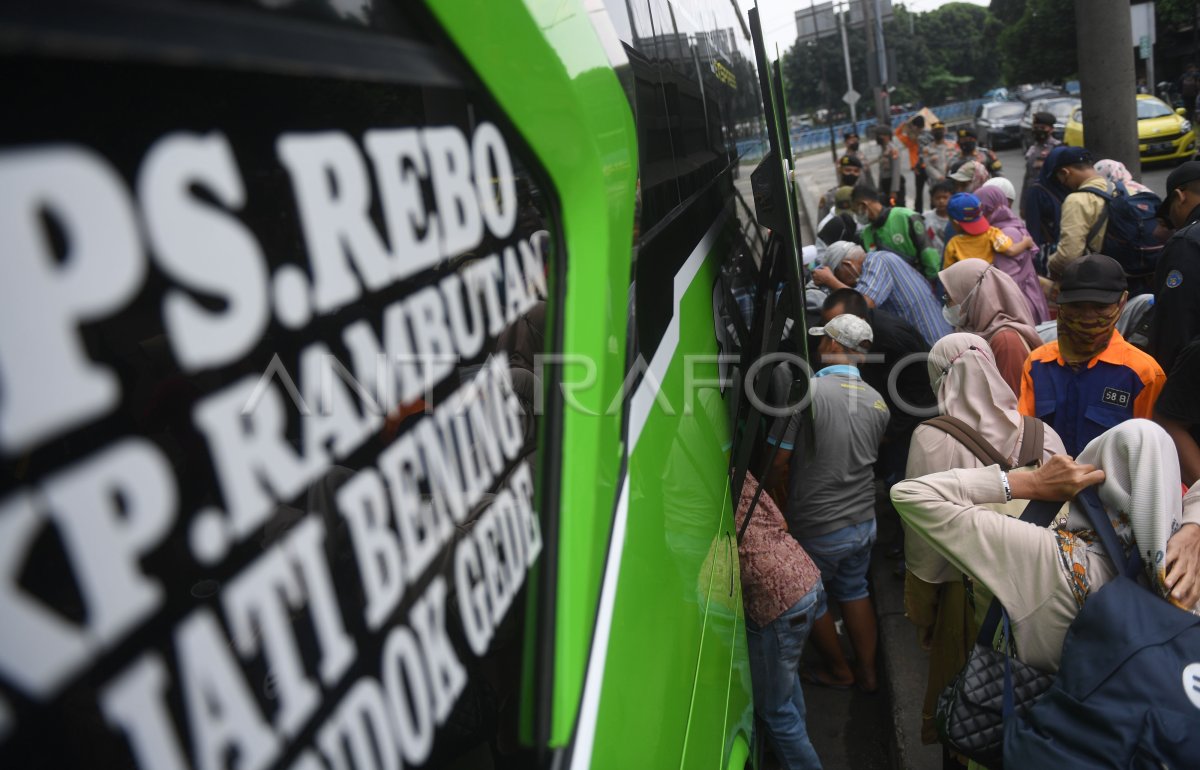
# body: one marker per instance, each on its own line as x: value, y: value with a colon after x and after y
x: 847, y: 330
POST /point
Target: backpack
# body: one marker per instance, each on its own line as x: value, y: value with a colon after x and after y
x: 1128, y: 692
x: 1130, y: 238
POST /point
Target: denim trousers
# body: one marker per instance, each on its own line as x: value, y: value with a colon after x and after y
x: 774, y: 669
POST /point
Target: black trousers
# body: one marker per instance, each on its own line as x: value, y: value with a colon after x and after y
x: 885, y: 185
x: 919, y: 202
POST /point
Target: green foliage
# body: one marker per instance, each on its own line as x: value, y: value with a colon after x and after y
x: 1175, y: 13
x: 948, y: 53
x: 1040, y: 45
x: 815, y: 74
x: 956, y: 51
x: 1007, y: 11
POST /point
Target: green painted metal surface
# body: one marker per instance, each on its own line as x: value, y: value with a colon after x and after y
x: 676, y: 689
x: 565, y: 100
x: 666, y: 699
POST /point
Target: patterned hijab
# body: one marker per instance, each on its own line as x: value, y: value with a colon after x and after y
x: 990, y: 300
x: 1115, y: 171
x: 1141, y: 494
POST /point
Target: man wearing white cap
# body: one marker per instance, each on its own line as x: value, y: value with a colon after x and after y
x: 829, y: 497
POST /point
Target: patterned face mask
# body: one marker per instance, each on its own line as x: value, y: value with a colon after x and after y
x: 1084, y: 332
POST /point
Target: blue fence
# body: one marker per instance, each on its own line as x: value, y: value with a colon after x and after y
x: 805, y: 139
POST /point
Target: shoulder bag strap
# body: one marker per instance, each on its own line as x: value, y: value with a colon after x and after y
x: 1033, y: 438
x: 1090, y: 500
x: 970, y: 438
x: 1039, y: 513
x: 1107, y: 196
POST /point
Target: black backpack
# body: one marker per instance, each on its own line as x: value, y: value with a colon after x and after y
x: 1130, y: 238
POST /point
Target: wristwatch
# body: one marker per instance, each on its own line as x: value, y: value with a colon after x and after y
x: 1007, y: 488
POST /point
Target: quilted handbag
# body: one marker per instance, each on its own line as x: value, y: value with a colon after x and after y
x: 993, y: 685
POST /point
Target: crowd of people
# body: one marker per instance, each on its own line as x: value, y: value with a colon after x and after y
x: 1059, y: 327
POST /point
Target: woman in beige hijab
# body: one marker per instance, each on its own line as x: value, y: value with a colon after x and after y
x: 984, y: 300
x: 1043, y: 575
x: 963, y: 372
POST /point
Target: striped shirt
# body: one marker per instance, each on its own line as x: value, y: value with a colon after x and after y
x: 896, y: 287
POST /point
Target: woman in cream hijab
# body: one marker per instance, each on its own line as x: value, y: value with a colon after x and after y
x: 982, y: 299
x: 1042, y: 576
x: 962, y: 370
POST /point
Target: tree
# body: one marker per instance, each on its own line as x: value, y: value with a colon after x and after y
x: 1007, y: 11
x: 1040, y: 45
x: 814, y: 75
x: 939, y: 54
x: 1173, y: 14
x: 961, y: 39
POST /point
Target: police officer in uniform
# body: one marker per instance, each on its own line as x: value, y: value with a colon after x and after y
x: 1177, y: 277
x: 850, y: 171
x: 968, y: 142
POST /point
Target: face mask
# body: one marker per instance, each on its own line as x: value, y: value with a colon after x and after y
x: 862, y: 218
x: 939, y: 135
x: 849, y: 180
x: 967, y: 147
x: 851, y: 146
x: 1041, y: 136
x: 1082, y: 334
x: 953, y: 315
x: 956, y: 316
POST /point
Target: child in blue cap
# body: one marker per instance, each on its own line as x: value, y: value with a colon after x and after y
x: 975, y: 238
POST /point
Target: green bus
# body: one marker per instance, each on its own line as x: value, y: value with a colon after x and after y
x: 373, y: 380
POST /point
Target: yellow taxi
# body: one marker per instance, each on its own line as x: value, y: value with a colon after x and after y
x: 1163, y: 133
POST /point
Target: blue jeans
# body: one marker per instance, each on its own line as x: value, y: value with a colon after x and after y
x: 774, y: 670
x: 843, y: 557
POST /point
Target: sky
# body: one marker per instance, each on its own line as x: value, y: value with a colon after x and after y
x: 779, y: 17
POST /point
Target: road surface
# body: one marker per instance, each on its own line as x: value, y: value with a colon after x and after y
x: 815, y: 175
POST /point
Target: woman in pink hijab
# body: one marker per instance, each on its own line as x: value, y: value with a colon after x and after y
x: 1115, y: 171
x: 994, y: 205
x: 982, y: 300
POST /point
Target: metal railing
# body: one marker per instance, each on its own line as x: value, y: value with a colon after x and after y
x: 806, y: 139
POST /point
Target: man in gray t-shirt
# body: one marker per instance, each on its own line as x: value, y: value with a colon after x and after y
x: 830, y: 500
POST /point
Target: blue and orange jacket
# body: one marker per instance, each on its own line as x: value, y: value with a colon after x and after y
x: 1120, y: 383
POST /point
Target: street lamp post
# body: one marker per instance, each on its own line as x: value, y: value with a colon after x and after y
x: 851, y: 97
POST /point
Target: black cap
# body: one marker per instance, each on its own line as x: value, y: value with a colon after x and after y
x: 1063, y: 156
x: 1092, y: 278
x: 849, y: 160
x: 1183, y: 174
x: 1044, y: 118
x: 838, y: 229
x: 963, y: 133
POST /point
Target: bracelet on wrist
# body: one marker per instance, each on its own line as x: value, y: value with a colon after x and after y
x: 1007, y: 489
